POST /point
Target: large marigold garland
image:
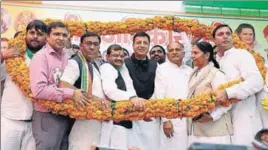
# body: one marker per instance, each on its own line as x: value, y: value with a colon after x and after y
x: 169, y: 108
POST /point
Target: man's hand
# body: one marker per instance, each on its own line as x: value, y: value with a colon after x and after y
x: 105, y: 103
x: 221, y: 96
x: 10, y: 53
x: 205, y: 118
x: 148, y: 119
x: 80, y: 98
x: 138, y: 103
x: 168, y: 129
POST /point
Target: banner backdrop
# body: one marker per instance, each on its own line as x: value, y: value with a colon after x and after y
x: 15, y: 18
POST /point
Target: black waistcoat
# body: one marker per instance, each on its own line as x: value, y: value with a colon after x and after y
x: 122, y: 86
x: 142, y: 73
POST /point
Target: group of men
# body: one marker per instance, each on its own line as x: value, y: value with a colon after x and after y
x: 54, y: 77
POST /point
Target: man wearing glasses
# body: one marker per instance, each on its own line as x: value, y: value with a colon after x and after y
x: 117, y: 86
x: 82, y: 72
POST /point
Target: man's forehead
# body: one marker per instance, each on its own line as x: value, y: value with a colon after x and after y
x: 119, y: 51
x: 36, y: 30
x: 59, y: 29
x: 92, y: 39
x: 141, y: 38
x: 175, y: 45
x: 156, y: 48
x: 223, y: 29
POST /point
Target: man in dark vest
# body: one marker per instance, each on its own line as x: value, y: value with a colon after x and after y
x: 117, y: 86
x: 142, y: 71
x: 82, y: 72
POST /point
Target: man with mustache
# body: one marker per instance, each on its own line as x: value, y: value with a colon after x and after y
x: 117, y: 86
x: 49, y: 130
x: 171, y: 81
x: 158, y: 54
x: 142, y: 71
x: 17, y: 109
x: 83, y: 73
x: 237, y: 63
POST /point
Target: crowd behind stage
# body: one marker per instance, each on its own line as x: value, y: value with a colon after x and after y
x: 61, y: 70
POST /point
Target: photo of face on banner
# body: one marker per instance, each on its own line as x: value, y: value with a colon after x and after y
x: 5, y: 20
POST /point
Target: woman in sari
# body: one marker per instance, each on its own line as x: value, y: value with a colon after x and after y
x: 214, y: 126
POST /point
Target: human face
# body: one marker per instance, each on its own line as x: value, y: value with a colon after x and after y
x: 75, y: 50
x: 90, y: 47
x: 157, y: 54
x: 4, y: 45
x: 200, y: 59
x: 141, y: 46
x: 35, y: 39
x: 223, y: 38
x: 175, y: 53
x: 247, y: 36
x: 116, y: 58
x: 57, y: 38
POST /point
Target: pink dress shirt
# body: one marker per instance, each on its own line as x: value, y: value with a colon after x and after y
x: 46, y: 69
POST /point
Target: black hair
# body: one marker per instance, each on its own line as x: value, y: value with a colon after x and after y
x: 161, y: 47
x: 37, y: 25
x: 125, y: 51
x: 113, y: 47
x: 141, y: 34
x: 220, y: 26
x: 89, y: 34
x: 245, y: 25
x: 205, y: 47
x: 17, y: 33
x: 56, y: 24
x: 75, y: 46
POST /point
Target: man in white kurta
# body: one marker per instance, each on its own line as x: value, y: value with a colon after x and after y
x: 237, y: 63
x: 264, y: 113
x: 114, y: 135
x: 171, y: 81
x: 85, y: 133
x: 16, y: 108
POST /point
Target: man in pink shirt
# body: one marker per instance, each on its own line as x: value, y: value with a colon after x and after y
x: 51, y: 131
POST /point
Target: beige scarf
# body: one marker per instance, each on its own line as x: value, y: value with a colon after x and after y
x: 197, y: 77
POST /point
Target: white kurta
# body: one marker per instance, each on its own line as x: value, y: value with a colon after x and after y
x: 216, y: 114
x: 84, y: 132
x: 171, y: 81
x: 238, y: 63
x: 264, y: 113
x: 114, y: 135
x: 15, y: 107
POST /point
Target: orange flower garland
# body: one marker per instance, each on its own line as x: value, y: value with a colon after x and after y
x: 17, y: 68
x: 168, y: 108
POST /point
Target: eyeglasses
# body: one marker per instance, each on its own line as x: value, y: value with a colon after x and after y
x: 118, y: 56
x: 92, y: 43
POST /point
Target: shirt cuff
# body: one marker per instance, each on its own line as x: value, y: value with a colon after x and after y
x: 165, y: 119
x: 216, y: 115
x: 231, y: 93
x: 68, y: 93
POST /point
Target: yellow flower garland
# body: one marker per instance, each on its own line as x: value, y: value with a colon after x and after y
x: 168, y: 108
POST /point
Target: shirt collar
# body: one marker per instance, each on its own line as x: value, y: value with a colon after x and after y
x: 52, y: 51
x: 174, y: 65
x: 29, y: 53
x: 225, y: 53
